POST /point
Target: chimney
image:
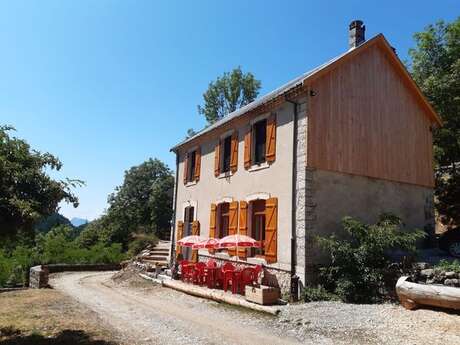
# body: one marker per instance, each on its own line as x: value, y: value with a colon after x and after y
x: 356, y: 34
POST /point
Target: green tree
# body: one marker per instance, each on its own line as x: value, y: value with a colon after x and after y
x: 228, y: 93
x: 27, y: 193
x: 435, y: 66
x: 142, y: 204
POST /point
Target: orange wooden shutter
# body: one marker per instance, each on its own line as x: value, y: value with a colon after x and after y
x: 179, y: 235
x: 270, y: 148
x: 247, y: 149
x: 271, y: 227
x: 195, y: 231
x: 233, y: 223
x: 217, y: 159
x: 197, y: 164
x: 243, y: 226
x: 185, y: 168
x: 234, y: 153
x: 212, y: 224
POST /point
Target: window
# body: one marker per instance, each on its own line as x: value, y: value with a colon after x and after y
x: 188, y: 220
x: 226, y: 154
x: 260, y: 143
x: 260, y: 139
x: 257, y: 208
x: 191, y: 161
x: 224, y: 219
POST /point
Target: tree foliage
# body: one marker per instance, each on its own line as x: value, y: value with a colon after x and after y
x: 142, y: 204
x: 228, y: 93
x: 359, y: 264
x: 27, y: 192
x: 435, y: 66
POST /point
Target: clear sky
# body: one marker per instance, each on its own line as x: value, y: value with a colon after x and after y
x: 104, y: 85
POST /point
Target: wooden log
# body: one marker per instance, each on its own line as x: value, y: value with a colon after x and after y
x: 411, y: 295
x: 218, y: 296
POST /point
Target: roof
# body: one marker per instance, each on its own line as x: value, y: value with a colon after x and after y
x: 316, y: 72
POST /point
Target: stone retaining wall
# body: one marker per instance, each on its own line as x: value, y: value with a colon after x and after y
x: 38, y: 277
x: 39, y: 274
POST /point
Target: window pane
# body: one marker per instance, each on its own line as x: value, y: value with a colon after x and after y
x: 224, y: 219
x: 258, y: 225
x: 191, y: 170
x: 227, y: 148
x: 260, y: 137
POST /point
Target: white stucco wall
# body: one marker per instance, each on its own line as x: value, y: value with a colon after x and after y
x: 276, y: 181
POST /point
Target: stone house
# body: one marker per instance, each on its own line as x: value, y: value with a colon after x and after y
x: 352, y: 137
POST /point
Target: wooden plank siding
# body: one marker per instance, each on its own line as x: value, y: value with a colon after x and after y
x: 365, y: 120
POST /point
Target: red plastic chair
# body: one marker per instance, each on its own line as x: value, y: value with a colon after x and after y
x: 210, y: 274
x: 248, y: 277
x: 186, y: 270
x: 228, y: 276
x: 211, y: 263
x: 198, y: 273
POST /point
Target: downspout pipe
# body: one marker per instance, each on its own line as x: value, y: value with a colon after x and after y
x: 173, y: 225
x: 294, y: 278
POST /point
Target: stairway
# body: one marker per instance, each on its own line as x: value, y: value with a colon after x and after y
x: 158, y: 255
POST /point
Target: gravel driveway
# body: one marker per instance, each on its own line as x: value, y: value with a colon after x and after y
x: 146, y: 314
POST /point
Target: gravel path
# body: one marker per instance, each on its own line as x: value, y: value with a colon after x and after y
x: 147, y: 314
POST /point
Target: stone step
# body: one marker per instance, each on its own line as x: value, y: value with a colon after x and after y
x: 157, y: 263
x: 155, y: 258
x: 156, y: 249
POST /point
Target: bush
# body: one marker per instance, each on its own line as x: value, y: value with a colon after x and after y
x: 448, y: 266
x: 140, y: 242
x: 56, y: 247
x: 359, y: 264
x: 318, y: 293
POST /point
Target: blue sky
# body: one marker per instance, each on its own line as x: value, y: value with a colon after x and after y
x: 104, y: 85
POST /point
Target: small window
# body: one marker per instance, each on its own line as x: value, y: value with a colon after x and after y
x: 224, y: 219
x: 226, y: 154
x: 260, y: 139
x: 191, y: 166
x: 188, y: 220
x: 258, y: 225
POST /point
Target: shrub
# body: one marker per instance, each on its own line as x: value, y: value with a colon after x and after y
x: 141, y: 241
x: 449, y: 266
x: 318, y: 293
x: 359, y: 264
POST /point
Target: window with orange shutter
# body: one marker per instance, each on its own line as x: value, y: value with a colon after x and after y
x: 192, y: 166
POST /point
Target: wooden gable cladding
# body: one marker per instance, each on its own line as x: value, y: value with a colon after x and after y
x: 197, y: 164
x: 195, y: 231
x: 179, y: 235
x: 234, y: 153
x: 247, y: 148
x: 270, y: 147
x: 233, y: 223
x: 217, y: 159
x: 365, y: 120
x: 243, y: 225
x: 212, y: 223
x: 271, y: 230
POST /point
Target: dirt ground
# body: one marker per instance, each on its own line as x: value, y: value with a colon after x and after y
x: 150, y: 314
x: 47, y: 316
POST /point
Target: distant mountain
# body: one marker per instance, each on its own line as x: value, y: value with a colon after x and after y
x: 50, y: 222
x: 78, y: 221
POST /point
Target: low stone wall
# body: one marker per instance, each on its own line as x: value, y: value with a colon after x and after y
x: 424, y: 273
x: 271, y: 277
x: 39, y: 275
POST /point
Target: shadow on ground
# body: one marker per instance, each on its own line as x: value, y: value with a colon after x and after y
x: 66, y: 337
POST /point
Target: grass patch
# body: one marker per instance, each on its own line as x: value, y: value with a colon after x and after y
x: 47, y: 317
